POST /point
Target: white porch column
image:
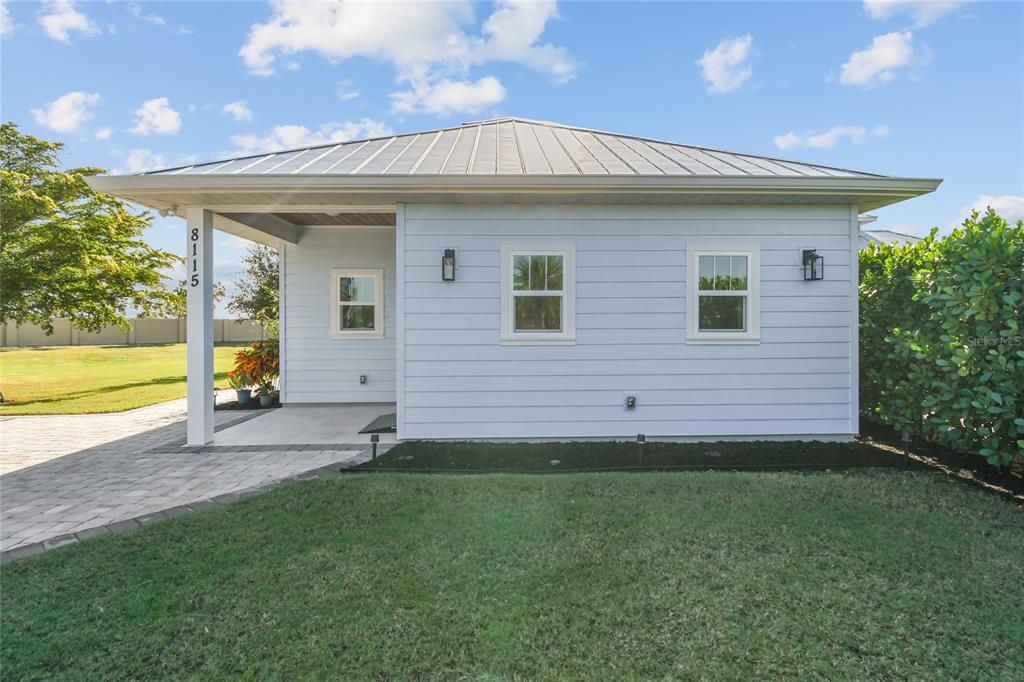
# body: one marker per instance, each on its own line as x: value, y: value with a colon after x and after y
x: 199, y: 329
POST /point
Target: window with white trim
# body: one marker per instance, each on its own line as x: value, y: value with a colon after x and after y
x: 538, y: 292
x: 723, y: 294
x: 358, y: 303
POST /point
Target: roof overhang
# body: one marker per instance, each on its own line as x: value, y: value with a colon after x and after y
x: 244, y: 194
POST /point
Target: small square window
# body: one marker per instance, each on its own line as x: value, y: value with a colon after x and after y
x: 358, y: 308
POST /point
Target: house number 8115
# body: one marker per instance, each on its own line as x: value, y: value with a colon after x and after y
x: 194, y: 238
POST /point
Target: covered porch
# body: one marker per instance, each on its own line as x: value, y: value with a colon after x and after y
x: 307, y: 421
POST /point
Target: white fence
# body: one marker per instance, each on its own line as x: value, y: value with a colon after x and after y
x: 141, y: 330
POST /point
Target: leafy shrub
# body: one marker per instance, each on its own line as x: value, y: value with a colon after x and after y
x: 942, y: 350
x: 259, y: 362
x: 239, y: 380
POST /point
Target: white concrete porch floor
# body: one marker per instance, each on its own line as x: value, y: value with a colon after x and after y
x: 303, y: 424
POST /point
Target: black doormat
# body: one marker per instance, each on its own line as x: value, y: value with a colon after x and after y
x: 386, y: 423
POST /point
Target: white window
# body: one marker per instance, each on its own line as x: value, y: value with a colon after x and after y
x: 538, y: 294
x: 723, y: 294
x: 358, y: 304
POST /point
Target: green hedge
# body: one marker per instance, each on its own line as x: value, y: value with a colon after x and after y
x: 941, y: 341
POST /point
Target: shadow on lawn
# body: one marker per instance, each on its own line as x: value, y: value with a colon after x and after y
x: 963, y: 465
x: 76, y: 395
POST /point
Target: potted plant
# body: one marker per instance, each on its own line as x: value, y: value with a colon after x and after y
x: 267, y: 393
x: 259, y: 362
x: 241, y: 382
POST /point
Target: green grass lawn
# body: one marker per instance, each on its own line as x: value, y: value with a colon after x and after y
x: 714, y: 575
x: 82, y: 379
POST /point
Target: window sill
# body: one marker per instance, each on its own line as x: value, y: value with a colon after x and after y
x: 723, y: 341
x: 520, y: 341
x: 356, y: 335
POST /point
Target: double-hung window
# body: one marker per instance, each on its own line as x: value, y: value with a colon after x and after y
x: 723, y: 294
x: 538, y: 294
x: 358, y: 304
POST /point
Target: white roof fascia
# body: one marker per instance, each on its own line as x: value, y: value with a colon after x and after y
x: 511, y: 183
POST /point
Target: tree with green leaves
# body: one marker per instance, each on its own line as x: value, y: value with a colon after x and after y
x: 257, y: 295
x: 66, y: 250
x: 942, y: 337
x: 176, y: 304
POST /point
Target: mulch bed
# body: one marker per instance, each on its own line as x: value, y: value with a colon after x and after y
x: 877, y: 447
x: 565, y: 457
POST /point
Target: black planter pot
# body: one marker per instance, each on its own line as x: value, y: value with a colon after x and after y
x: 267, y: 400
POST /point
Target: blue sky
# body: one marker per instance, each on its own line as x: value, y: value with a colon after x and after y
x: 924, y: 89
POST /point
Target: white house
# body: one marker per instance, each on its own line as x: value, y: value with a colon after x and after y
x: 604, y: 285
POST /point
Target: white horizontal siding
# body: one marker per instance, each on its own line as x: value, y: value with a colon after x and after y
x: 460, y: 382
x: 318, y: 368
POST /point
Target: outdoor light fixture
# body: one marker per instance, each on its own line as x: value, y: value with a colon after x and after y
x: 814, y: 265
x: 448, y: 266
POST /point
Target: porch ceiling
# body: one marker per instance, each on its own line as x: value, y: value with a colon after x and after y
x: 272, y: 228
x: 339, y: 219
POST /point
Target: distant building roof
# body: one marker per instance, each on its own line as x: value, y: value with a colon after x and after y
x: 510, y: 146
x: 887, y: 237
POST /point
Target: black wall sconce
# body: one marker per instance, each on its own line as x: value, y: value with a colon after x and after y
x: 814, y: 265
x: 448, y: 266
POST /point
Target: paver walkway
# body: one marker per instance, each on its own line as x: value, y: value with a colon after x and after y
x: 30, y: 439
x: 140, y: 466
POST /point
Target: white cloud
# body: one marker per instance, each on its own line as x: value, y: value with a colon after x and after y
x: 726, y: 67
x: 60, y: 18
x: 103, y: 133
x: 7, y: 24
x: 233, y: 242
x: 411, y: 36
x: 430, y: 44
x: 923, y: 12
x: 881, y: 62
x: 139, y: 161
x: 239, y: 110
x: 156, y: 116
x: 1008, y: 206
x: 810, y: 139
x: 292, y: 136
x: 513, y: 31
x: 136, y: 11
x: 156, y: 19
x: 445, y: 96
x: 347, y: 90
x: 68, y: 112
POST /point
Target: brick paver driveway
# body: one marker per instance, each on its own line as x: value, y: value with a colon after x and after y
x: 29, y: 440
x: 65, y: 475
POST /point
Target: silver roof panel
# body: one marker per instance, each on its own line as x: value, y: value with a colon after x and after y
x: 510, y: 146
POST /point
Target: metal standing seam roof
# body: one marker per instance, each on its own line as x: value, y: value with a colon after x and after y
x: 508, y: 147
